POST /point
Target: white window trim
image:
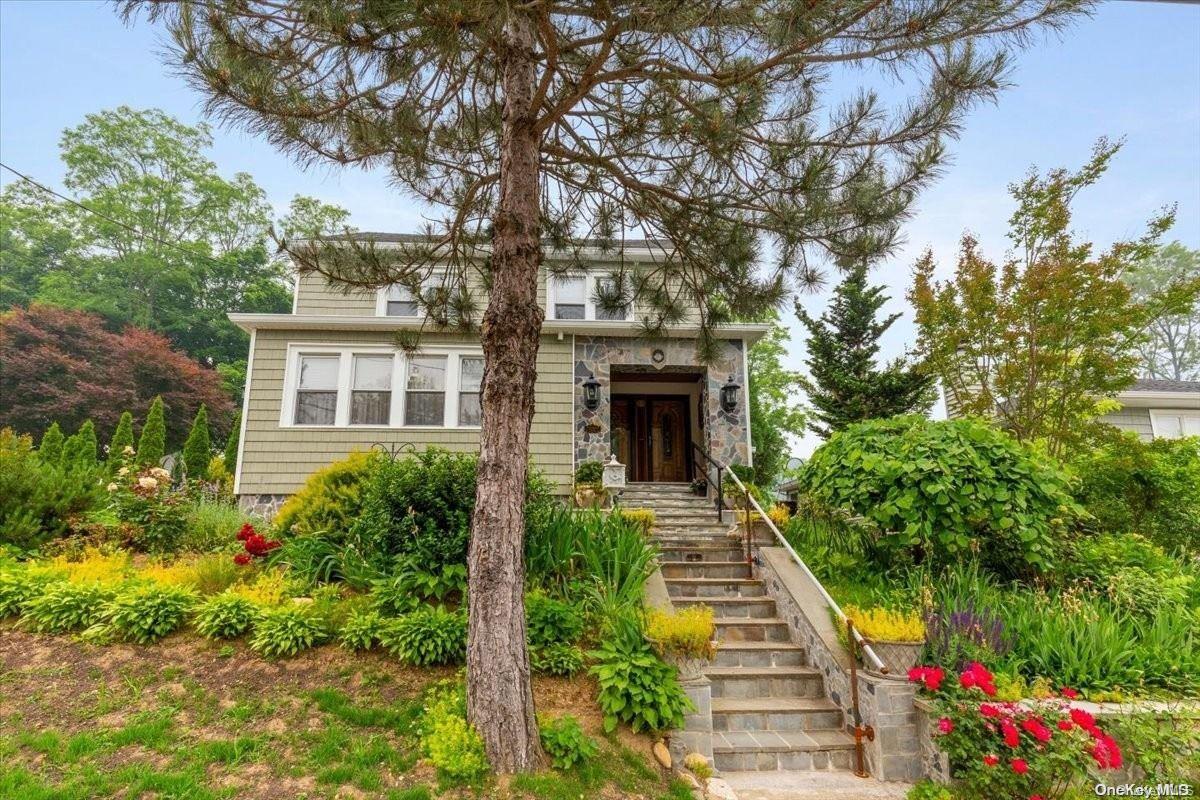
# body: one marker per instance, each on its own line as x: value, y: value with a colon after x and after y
x: 1156, y: 413
x: 428, y: 283
x: 346, y: 353
x: 589, y: 295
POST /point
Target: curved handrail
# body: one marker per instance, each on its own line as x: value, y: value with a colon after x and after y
x: 837, y: 610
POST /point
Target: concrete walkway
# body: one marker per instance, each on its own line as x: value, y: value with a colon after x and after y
x: 769, y: 785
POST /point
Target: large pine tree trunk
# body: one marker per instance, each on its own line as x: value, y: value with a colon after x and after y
x: 499, y: 692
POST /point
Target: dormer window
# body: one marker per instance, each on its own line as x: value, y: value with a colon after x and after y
x: 575, y: 297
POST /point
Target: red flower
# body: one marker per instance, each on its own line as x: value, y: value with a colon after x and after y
x: 256, y: 545
x: 945, y: 725
x: 989, y: 710
x: 1065, y: 725
x: 241, y: 559
x: 245, y: 532
x: 1012, y: 736
x: 1036, y: 797
x: 1069, y: 693
x: 929, y: 677
x: 1083, y: 719
x: 1106, y: 752
x: 1019, y: 766
x: 1036, y: 729
x: 991, y: 760
x: 977, y: 675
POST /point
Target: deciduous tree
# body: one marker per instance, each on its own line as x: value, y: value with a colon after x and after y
x: 845, y: 383
x: 698, y: 125
x: 775, y: 412
x: 1041, y: 340
x: 1172, y: 347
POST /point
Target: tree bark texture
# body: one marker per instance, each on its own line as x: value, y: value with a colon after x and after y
x: 499, y: 690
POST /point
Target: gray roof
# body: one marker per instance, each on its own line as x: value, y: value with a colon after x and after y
x: 384, y: 237
x: 1154, y: 385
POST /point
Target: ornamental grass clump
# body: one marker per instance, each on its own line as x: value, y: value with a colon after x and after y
x: 1013, y: 751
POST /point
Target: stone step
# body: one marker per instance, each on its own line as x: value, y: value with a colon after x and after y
x: 731, y: 607
x: 705, y: 569
x: 746, y: 629
x: 700, y: 554
x: 759, y: 654
x: 749, y: 751
x: 765, y: 682
x: 697, y: 542
x: 776, y: 714
x: 706, y: 587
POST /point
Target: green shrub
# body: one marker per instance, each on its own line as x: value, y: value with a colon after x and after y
x: 590, y: 471
x: 145, y: 614
x: 445, y: 582
x: 210, y: 525
x: 391, y: 597
x: 152, y: 444
x: 551, y: 622
x: 286, y: 630
x: 40, y: 498
x: 50, y: 449
x: 941, y: 489
x: 565, y: 742
x: 429, y: 636
x: 329, y: 501
x: 225, y: 616
x: 928, y: 790
x: 311, y: 558
x: 1148, y: 488
x: 63, y: 606
x: 79, y: 451
x: 450, y: 743
x: 636, y: 687
x: 155, y: 515
x: 122, y: 437
x: 197, y: 450
x: 563, y: 660
x: 361, y: 630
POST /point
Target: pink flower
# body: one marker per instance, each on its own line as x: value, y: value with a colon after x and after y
x: 945, y: 725
x: 1035, y: 728
x: 1083, y: 719
x: 1019, y: 766
x: 929, y: 677
x: 989, y: 710
x: 991, y: 760
x: 1012, y: 737
x: 976, y: 675
x: 1106, y: 752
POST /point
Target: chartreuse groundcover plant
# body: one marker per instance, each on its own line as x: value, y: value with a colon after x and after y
x: 1036, y: 750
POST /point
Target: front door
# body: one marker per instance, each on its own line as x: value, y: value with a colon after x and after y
x: 652, y: 437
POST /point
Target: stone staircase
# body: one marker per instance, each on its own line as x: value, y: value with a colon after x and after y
x: 769, y: 708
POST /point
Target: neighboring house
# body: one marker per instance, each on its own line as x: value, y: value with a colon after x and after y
x: 1159, y: 409
x: 329, y: 378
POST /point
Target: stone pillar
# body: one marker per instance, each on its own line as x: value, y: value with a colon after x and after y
x: 696, y: 736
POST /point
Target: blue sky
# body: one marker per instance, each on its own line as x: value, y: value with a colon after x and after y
x: 1133, y: 70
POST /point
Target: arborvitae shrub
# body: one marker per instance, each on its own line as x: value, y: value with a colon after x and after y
x: 152, y: 445
x: 197, y: 450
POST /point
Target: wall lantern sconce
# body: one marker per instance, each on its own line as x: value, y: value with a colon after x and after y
x: 591, y: 392
x: 729, y: 395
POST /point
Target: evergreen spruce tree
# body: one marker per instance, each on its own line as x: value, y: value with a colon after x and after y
x: 698, y: 126
x: 50, y: 451
x: 122, y: 437
x: 197, y: 450
x: 231, y: 444
x: 845, y: 384
x: 152, y: 445
x: 83, y: 452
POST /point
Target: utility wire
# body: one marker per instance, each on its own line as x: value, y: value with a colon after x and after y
x: 140, y: 234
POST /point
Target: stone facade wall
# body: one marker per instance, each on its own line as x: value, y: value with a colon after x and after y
x: 262, y: 505
x: 724, y: 434
x: 886, y: 704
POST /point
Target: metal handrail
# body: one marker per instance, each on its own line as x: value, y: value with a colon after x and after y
x: 837, y: 610
x: 720, y: 499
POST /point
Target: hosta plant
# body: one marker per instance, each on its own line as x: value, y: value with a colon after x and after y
x: 549, y: 621
x: 64, y: 606
x: 146, y: 613
x: 636, y: 687
x: 225, y: 616
x: 286, y: 630
x: 17, y: 587
x: 361, y: 630
x: 427, y: 637
x: 1012, y: 751
x: 565, y: 742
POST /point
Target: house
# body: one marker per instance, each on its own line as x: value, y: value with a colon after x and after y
x: 1159, y: 409
x: 329, y: 378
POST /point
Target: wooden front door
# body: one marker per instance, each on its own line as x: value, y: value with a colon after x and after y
x: 652, y: 437
x: 668, y: 460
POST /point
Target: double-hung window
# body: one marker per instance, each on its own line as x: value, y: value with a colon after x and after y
x: 577, y: 297
x: 400, y: 302
x: 1175, y: 424
x: 371, y: 390
x: 425, y: 391
x: 470, y: 378
x: 317, y: 390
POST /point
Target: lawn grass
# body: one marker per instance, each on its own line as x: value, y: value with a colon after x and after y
x: 186, y: 721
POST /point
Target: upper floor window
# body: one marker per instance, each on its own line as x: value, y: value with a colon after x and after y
x: 399, y: 301
x: 576, y: 296
x: 1174, y: 424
